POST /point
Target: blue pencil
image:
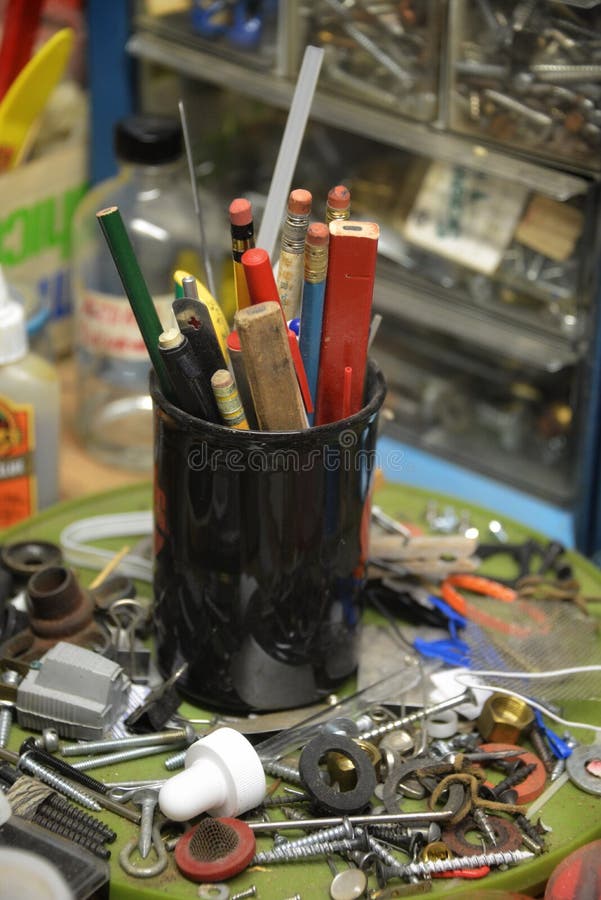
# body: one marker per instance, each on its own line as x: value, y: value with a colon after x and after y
x: 314, y: 286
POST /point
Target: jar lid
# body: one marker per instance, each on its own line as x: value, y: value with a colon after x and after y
x: 148, y: 139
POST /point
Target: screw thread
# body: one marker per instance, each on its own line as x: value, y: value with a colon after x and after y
x: 514, y: 779
x: 177, y: 761
x: 63, y: 805
x: 64, y: 830
x: 249, y: 892
x: 6, y: 721
x: 89, y: 748
x: 287, y: 853
x: 63, y: 768
x: 482, y: 821
x: 500, y: 858
x: 344, y: 831
x: 396, y: 724
x: 281, y: 770
x: 381, y: 851
x: 55, y: 781
x: 111, y: 759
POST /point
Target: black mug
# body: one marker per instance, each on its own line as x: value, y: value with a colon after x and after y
x: 260, y: 553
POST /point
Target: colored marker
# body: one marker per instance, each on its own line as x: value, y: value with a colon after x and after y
x: 192, y: 392
x: 228, y: 399
x: 292, y: 249
x: 338, y: 205
x: 316, y: 266
x: 243, y: 238
x: 237, y: 361
x: 346, y: 316
x: 269, y: 368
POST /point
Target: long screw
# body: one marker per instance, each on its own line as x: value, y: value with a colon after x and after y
x: 170, y: 736
x: 63, y: 768
x: 281, y: 770
x: 9, y: 677
x: 404, y: 818
x: 512, y: 780
x: 112, y: 759
x: 397, y: 724
x: 538, y: 740
x: 499, y: 858
x: 285, y: 853
x: 26, y: 764
x: 64, y: 830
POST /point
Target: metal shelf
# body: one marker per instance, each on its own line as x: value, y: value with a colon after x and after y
x: 330, y: 109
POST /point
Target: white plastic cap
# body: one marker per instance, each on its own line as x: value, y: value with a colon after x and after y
x: 30, y: 875
x: 223, y: 777
x: 13, y: 330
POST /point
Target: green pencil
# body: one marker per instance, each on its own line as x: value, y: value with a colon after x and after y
x: 135, y: 287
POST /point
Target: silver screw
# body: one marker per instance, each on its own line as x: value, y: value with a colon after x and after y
x: 177, y: 761
x: 505, y: 101
x: 381, y: 851
x: 48, y: 741
x: 500, y: 858
x: 451, y: 703
x: 292, y: 854
x: 249, y: 892
x: 562, y: 74
x: 483, y: 823
x: 280, y: 770
x: 26, y: 764
x: 110, y: 759
x: 147, y: 800
x: 170, y: 736
x: 336, y: 832
x: 9, y: 677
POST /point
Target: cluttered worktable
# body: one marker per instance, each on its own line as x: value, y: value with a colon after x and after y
x: 572, y: 815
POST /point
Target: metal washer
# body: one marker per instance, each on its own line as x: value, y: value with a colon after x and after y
x: 576, y: 768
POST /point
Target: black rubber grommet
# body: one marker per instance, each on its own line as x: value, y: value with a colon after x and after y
x: 24, y: 558
x: 327, y: 797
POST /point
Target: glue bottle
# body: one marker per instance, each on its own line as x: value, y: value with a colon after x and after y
x: 29, y: 419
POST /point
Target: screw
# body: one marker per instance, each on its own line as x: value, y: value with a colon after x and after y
x: 48, y: 741
x: 280, y: 770
x: 482, y: 822
x: 249, y: 892
x: 26, y: 764
x: 110, y: 759
x: 11, y: 678
x: 64, y: 830
x: 512, y: 780
x: 170, y: 736
x: 425, y: 869
x: 451, y: 703
x: 562, y: 74
x: 506, y: 101
x: 320, y: 837
x: 63, y: 768
x: 289, y: 853
x: 537, y: 738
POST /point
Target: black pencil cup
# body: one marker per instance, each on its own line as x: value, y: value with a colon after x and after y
x: 260, y: 553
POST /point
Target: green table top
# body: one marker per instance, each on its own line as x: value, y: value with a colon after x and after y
x: 574, y: 816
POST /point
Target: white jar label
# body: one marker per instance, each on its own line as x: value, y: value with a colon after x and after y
x: 106, y: 325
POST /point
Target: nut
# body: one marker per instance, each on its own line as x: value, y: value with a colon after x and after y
x: 504, y: 718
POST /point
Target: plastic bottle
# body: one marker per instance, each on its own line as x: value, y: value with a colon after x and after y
x: 29, y: 419
x: 152, y: 191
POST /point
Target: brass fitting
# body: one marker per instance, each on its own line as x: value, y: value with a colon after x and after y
x: 504, y: 718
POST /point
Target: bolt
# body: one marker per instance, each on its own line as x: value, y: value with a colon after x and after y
x: 506, y: 101
x: 170, y: 736
x: 63, y: 768
x: 26, y: 764
x: 10, y: 678
x: 48, y: 741
x: 110, y: 759
x: 177, y: 761
x: 563, y: 74
x: 451, y: 703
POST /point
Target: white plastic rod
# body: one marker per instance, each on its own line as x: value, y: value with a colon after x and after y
x: 281, y: 180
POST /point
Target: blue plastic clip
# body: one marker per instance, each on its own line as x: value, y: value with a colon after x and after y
x: 453, y: 650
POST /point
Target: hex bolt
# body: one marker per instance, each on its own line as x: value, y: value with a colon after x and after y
x: 395, y: 724
x: 63, y: 768
x: 26, y: 764
x: 112, y: 759
x: 281, y: 770
x: 170, y: 736
x: 249, y: 892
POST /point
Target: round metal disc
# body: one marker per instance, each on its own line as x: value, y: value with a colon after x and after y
x: 348, y: 884
x: 576, y: 766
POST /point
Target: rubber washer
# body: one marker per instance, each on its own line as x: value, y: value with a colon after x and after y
x: 509, y: 836
x: 215, y: 849
x: 331, y: 800
x: 534, y: 784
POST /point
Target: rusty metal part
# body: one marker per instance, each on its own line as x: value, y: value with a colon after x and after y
x: 402, y: 771
x: 24, y: 558
x: 508, y: 836
x: 504, y: 718
x: 534, y: 784
x: 59, y: 610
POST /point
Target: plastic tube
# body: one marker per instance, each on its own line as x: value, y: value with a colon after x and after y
x: 281, y: 179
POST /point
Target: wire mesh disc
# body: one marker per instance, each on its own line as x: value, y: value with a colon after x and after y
x: 537, y: 636
x: 215, y: 849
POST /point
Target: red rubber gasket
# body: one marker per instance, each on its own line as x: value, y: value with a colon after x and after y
x: 233, y: 861
x: 534, y: 784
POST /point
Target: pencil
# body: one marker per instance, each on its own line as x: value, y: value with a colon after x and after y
x: 136, y: 290
x: 228, y: 399
x: 316, y: 266
x: 290, y: 266
x: 338, y: 204
x: 243, y: 238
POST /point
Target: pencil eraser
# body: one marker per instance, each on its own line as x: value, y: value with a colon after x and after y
x: 318, y: 234
x: 233, y: 342
x: 339, y: 197
x: 255, y: 256
x: 299, y: 202
x: 240, y: 211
